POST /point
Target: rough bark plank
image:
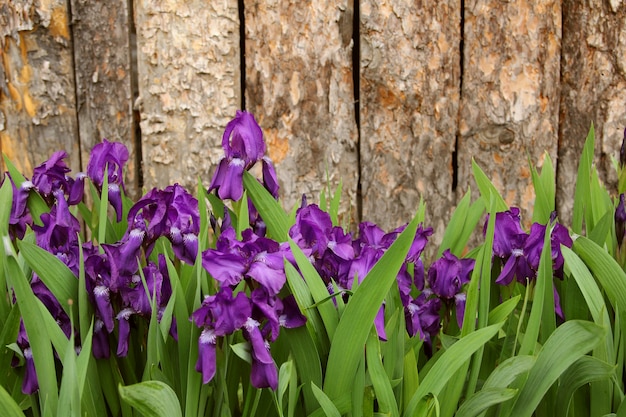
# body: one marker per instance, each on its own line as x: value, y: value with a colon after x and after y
x: 189, y: 86
x: 510, y: 95
x: 37, y: 110
x: 593, y: 85
x: 103, y: 78
x: 410, y: 74
x: 299, y: 87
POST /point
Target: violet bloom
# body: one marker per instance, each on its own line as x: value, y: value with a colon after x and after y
x: 508, y: 244
x: 422, y: 317
x: 243, y: 146
x: 20, y: 216
x: 256, y: 258
x: 263, y: 373
x: 311, y: 231
x: 446, y: 277
x: 113, y: 156
x: 219, y: 315
x: 620, y: 217
x: 60, y: 228
x: 534, y: 245
x: 30, y: 383
x: 136, y: 301
x: 173, y: 213
x: 52, y: 176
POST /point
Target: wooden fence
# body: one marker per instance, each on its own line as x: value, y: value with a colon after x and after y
x: 391, y: 97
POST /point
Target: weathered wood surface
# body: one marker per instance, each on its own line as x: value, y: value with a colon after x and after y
x: 519, y: 83
x: 189, y: 86
x: 510, y: 94
x: 410, y: 75
x: 299, y: 86
x: 593, y: 90
x: 37, y: 102
x: 102, y: 64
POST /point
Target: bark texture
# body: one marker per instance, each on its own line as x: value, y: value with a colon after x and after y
x: 103, y: 78
x: 593, y: 86
x: 299, y: 86
x: 37, y: 102
x: 189, y: 86
x: 510, y: 95
x: 410, y: 74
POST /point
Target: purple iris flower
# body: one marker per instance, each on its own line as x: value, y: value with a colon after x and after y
x: 113, y: 156
x: 171, y: 212
x: 100, y: 343
x: 311, y: 231
x: 620, y: 217
x: 270, y: 181
x: 20, y: 215
x: 264, y: 373
x: 59, y: 232
x: 508, y: 232
x: 446, y: 277
x: 243, y: 146
x: 534, y: 245
x: 52, y: 176
x: 508, y: 244
x: 256, y: 258
x: 135, y: 300
x: 30, y: 383
x: 219, y: 315
x: 422, y: 317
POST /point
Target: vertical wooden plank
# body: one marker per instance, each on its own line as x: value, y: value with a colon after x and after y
x: 410, y: 74
x: 593, y: 85
x: 37, y: 99
x: 102, y: 57
x: 189, y: 86
x: 299, y: 86
x: 510, y: 95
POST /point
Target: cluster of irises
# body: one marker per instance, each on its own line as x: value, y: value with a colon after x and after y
x: 124, y: 281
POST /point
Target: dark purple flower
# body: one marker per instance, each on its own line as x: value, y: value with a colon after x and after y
x: 422, y: 317
x: 289, y: 314
x: 60, y: 228
x: 20, y: 216
x: 112, y: 156
x: 508, y: 233
x: 447, y: 275
x: 534, y: 244
x: 206, y: 363
x: 100, y: 343
x: 311, y: 231
x: 123, y: 318
x: 270, y: 181
x: 264, y: 373
x: 243, y: 138
x: 228, y: 179
x: 30, y: 383
x: 51, y: 176
x: 243, y: 146
x: 620, y: 218
x: 419, y: 243
x: 257, y: 258
x: 173, y: 213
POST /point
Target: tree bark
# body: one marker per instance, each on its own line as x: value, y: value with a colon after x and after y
x: 593, y: 85
x: 189, y: 86
x: 37, y: 111
x: 410, y: 75
x: 510, y: 94
x: 102, y: 56
x: 299, y: 86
